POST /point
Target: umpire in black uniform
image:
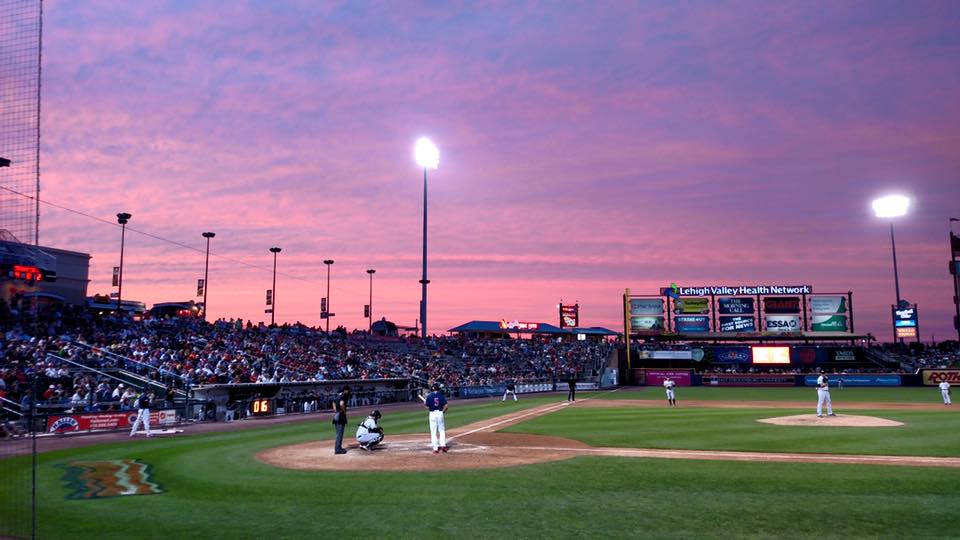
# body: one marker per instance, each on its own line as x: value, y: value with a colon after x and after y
x: 340, y: 418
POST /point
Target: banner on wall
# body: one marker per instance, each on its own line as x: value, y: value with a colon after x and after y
x: 828, y: 323
x: 732, y: 355
x: 646, y: 306
x: 107, y: 420
x: 655, y: 377
x: 828, y: 304
x: 693, y: 304
x: 736, y: 323
x: 855, y: 380
x: 691, y: 323
x: 933, y: 377
x: 735, y: 306
x: 782, y: 323
x: 746, y: 379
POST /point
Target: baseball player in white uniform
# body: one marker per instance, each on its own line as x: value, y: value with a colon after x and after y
x: 823, y: 396
x: 143, y: 415
x: 945, y: 392
x: 670, y: 385
x: 369, y: 434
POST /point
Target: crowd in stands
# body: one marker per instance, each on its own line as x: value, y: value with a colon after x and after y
x: 185, y: 352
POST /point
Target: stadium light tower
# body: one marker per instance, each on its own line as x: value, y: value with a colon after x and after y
x: 273, y: 291
x: 889, y: 207
x: 370, y: 304
x: 122, y: 219
x: 428, y: 157
x: 329, y: 263
x: 206, y: 272
x: 4, y: 162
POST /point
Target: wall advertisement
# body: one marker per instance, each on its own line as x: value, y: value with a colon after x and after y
x: 66, y: 423
x: 655, y: 377
x: 855, y: 380
x: 732, y: 355
x: 933, y: 377
x: 646, y: 324
x: 748, y: 379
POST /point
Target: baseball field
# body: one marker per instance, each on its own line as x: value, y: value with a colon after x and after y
x: 613, y: 464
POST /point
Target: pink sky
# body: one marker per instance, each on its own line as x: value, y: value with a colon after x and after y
x: 585, y: 148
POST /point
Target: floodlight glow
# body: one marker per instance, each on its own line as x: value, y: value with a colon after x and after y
x: 428, y: 156
x: 891, y: 206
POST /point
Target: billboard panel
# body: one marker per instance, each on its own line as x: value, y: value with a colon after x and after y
x: 782, y: 304
x: 695, y: 304
x: 735, y: 306
x: 905, y: 317
x: 933, y: 377
x: 748, y: 379
x: 856, y: 380
x: 691, y: 323
x: 646, y: 323
x: 828, y: 304
x: 782, y: 323
x: 737, y: 323
x: 569, y: 316
x: 646, y: 306
x: 655, y: 377
x: 829, y: 323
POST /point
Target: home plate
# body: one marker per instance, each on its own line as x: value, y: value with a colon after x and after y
x: 840, y: 420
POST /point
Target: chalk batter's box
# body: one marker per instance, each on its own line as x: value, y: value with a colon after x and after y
x: 107, y: 421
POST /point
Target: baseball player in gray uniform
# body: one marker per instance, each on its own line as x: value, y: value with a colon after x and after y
x: 823, y: 396
x: 945, y: 392
x: 143, y: 414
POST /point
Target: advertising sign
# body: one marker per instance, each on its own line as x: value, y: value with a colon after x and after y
x: 736, y: 323
x: 770, y: 355
x: 748, y: 379
x: 843, y: 355
x: 855, y: 380
x: 696, y: 304
x: 736, y: 306
x: 782, y: 323
x: 691, y: 323
x: 732, y: 355
x: 646, y: 323
x: 646, y: 306
x: 829, y: 323
x: 518, y: 325
x: 108, y: 420
x: 569, y: 316
x: 742, y: 290
x: 116, y: 276
x: 828, y: 304
x: 665, y: 355
x: 782, y: 304
x: 910, y: 333
x: 905, y: 317
x: 200, y: 285
x: 933, y: 377
x: 655, y: 377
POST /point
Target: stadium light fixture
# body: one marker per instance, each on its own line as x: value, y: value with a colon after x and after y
x: 329, y: 263
x: 206, y: 271
x: 428, y: 157
x: 4, y: 162
x: 891, y: 206
x: 273, y: 291
x: 122, y: 218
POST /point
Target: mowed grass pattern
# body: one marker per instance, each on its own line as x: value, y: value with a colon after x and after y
x: 216, y: 489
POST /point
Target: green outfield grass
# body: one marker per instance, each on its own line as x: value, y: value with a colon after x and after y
x: 908, y: 394
x: 925, y: 433
x: 216, y: 489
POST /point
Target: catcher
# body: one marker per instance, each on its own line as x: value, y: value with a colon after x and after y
x: 369, y: 433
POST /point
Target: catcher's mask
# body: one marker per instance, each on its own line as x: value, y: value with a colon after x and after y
x: 376, y: 414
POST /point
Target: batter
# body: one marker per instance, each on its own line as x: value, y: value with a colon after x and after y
x: 436, y: 403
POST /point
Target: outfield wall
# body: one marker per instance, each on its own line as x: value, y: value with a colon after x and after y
x: 687, y: 377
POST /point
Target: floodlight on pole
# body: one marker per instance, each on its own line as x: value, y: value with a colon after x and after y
x: 122, y: 218
x: 329, y: 263
x: 273, y: 290
x: 206, y: 272
x: 892, y: 206
x: 428, y: 157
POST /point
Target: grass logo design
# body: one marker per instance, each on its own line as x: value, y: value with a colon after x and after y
x: 112, y: 478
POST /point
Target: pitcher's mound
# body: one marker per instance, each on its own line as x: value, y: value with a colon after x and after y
x: 841, y: 420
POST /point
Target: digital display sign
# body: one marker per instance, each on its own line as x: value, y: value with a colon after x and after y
x: 905, y: 317
x: 782, y: 304
x: 569, y: 316
x: 518, y: 325
x: 771, y: 355
x: 260, y: 407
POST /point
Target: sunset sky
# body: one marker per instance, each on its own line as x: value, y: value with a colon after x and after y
x: 586, y: 147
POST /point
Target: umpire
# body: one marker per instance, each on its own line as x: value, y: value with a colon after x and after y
x: 340, y: 418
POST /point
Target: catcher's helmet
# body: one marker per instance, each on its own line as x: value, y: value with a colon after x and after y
x: 376, y: 414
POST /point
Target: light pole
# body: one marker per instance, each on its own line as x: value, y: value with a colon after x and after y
x: 329, y: 263
x: 273, y: 290
x: 892, y: 206
x: 371, y: 272
x: 428, y: 157
x: 122, y: 219
x: 955, y: 240
x: 206, y: 272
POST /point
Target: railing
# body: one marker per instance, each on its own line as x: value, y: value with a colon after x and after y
x: 122, y: 362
